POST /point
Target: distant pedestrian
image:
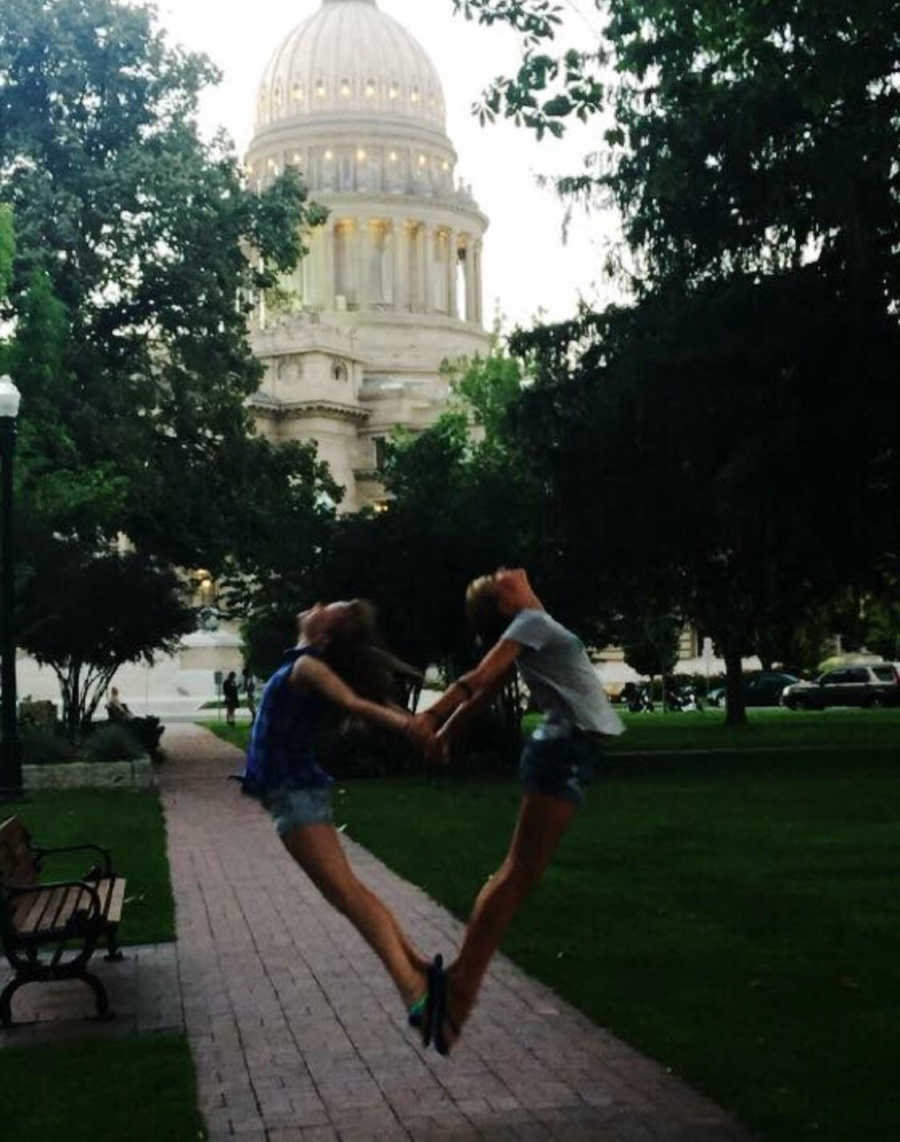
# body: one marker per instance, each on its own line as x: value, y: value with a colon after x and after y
x: 230, y: 694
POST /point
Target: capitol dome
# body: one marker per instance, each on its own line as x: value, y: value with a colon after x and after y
x: 349, y: 58
x: 354, y: 339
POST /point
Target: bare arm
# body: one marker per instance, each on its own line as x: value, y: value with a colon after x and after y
x: 473, y: 690
x: 313, y: 674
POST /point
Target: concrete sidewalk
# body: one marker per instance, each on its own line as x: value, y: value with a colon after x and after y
x: 299, y: 1036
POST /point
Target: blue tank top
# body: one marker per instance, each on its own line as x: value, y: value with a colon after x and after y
x: 282, y: 753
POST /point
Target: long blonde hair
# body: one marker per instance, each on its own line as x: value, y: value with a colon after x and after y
x: 357, y: 653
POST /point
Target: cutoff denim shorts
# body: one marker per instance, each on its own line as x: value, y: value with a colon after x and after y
x: 560, y: 765
x: 292, y: 808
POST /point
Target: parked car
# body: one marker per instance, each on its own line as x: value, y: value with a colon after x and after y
x: 875, y: 685
x: 764, y: 688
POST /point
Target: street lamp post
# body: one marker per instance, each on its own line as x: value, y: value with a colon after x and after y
x: 10, y: 746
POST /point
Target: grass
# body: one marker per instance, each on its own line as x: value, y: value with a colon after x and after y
x: 767, y: 728
x: 142, y: 1089
x: 131, y: 826
x: 238, y: 735
x: 737, y: 922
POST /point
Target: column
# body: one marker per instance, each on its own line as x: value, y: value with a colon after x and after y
x: 427, y: 268
x: 364, y: 248
x: 452, y: 240
x: 470, y: 278
x: 400, y: 265
x: 414, y: 266
x: 355, y: 262
x: 479, y: 291
x: 326, y: 288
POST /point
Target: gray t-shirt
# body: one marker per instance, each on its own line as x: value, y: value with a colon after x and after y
x: 559, y: 674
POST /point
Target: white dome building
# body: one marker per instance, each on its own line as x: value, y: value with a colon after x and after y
x: 354, y: 340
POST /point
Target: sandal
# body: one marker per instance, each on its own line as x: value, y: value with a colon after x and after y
x: 423, y: 1012
x: 442, y: 1018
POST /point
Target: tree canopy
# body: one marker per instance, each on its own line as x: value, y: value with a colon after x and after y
x: 139, y: 250
x: 736, y: 421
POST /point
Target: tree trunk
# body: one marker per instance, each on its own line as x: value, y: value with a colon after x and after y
x: 736, y: 711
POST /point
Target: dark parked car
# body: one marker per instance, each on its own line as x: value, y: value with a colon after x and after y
x: 877, y: 685
x: 761, y: 689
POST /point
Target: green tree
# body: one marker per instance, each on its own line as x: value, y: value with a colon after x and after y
x: 86, y: 616
x: 7, y: 248
x: 459, y: 505
x: 651, y: 646
x: 743, y: 405
x: 140, y: 249
x: 146, y: 236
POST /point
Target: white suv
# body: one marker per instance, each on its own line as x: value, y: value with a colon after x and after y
x: 875, y: 685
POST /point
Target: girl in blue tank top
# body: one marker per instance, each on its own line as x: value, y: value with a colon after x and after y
x: 336, y: 662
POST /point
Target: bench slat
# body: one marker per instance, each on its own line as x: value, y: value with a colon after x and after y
x: 44, y: 905
x: 115, y: 899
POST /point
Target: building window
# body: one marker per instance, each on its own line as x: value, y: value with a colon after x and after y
x: 339, y: 371
x: 381, y: 453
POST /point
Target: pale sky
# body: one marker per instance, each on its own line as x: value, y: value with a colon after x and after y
x: 527, y: 266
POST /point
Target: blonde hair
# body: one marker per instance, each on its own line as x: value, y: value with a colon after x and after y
x: 483, y: 610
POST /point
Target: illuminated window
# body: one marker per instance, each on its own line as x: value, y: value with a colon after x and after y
x: 320, y: 88
x: 414, y: 95
x: 345, y: 87
x: 395, y: 91
x: 370, y: 88
x: 360, y: 154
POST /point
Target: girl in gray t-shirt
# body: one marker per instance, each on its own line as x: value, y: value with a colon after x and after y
x: 557, y: 763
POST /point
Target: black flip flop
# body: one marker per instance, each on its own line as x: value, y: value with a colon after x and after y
x: 440, y: 1016
x: 422, y: 1014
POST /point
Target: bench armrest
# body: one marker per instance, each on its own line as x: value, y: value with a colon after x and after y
x: 41, y: 853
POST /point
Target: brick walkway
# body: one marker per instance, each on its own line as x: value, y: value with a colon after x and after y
x: 298, y: 1033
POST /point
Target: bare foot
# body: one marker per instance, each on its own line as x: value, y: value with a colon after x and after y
x: 416, y: 987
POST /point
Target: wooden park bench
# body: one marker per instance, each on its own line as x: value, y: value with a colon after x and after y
x: 50, y: 930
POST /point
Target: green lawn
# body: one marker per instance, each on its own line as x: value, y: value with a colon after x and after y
x: 131, y: 826
x: 738, y: 924
x: 767, y: 728
x: 140, y: 1089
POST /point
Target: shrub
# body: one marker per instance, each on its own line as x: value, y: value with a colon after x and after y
x: 42, y: 745
x: 112, y: 742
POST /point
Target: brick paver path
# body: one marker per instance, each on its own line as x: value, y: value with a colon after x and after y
x: 299, y: 1035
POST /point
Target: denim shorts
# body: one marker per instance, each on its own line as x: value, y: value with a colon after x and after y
x: 559, y: 766
x: 292, y: 808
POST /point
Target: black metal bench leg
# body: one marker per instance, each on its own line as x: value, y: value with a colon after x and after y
x: 6, y: 1000
x: 113, y: 954
x: 103, y: 1011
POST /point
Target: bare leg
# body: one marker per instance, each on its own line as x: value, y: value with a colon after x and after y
x: 318, y: 851
x: 541, y: 824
